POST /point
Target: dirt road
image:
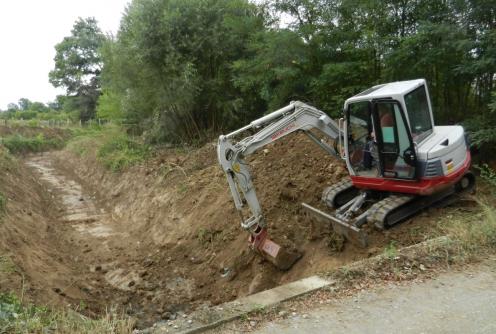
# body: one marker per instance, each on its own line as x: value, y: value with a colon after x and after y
x: 461, y: 302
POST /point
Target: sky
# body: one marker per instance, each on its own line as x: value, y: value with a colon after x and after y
x: 29, y: 30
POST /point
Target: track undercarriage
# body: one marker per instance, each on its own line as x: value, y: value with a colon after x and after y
x: 353, y: 208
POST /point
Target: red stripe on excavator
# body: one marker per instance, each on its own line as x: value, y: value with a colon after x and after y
x: 420, y: 187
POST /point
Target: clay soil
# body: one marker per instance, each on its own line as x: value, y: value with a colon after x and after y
x: 163, y: 237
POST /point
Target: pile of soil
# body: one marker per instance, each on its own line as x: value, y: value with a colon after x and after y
x: 177, y: 243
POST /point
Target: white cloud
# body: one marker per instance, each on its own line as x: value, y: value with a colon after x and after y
x: 29, y: 30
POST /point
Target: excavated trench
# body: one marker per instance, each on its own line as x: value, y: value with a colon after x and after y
x: 157, y: 245
x: 93, y: 241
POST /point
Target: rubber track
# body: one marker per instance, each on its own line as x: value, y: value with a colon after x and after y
x: 379, y: 211
x: 330, y: 193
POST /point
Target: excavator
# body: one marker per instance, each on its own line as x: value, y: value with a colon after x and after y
x: 398, y: 161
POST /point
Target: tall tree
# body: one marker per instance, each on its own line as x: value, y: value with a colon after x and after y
x: 24, y: 103
x: 12, y: 107
x: 170, y: 68
x: 78, y: 66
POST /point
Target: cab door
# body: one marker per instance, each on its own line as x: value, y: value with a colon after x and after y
x: 358, y: 140
x: 397, y: 155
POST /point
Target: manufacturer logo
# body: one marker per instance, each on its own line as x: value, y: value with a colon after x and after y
x: 283, y: 131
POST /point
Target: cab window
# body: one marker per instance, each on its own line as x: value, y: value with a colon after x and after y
x: 418, y: 112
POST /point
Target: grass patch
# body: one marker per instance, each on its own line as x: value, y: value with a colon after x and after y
x: 391, y: 250
x: 488, y: 175
x: 85, y: 140
x: 6, y: 265
x: 18, y: 144
x: 111, y: 145
x: 3, y: 204
x: 182, y: 188
x: 473, y: 234
x: 18, y: 318
x: 120, y: 152
x: 208, y: 236
x: 7, y: 160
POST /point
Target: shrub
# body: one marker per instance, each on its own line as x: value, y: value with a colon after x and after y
x: 488, y: 174
x: 18, y: 144
x: 120, y: 152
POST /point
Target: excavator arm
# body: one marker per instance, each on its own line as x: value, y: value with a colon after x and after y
x: 297, y: 116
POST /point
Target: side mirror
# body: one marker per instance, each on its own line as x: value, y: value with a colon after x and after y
x: 410, y: 157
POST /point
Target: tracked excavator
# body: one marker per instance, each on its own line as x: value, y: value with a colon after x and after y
x: 398, y: 162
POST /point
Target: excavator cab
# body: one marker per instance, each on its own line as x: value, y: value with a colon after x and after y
x: 379, y: 141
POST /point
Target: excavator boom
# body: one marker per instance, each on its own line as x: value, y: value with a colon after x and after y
x: 297, y: 116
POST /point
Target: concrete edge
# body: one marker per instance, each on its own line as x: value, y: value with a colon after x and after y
x: 236, y: 309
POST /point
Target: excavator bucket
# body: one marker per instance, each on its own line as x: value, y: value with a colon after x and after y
x: 282, y: 257
x: 350, y: 232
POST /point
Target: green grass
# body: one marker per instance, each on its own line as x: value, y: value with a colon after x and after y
x: 206, y: 236
x: 182, y: 188
x: 488, y: 175
x: 18, y: 144
x: 391, y: 250
x: 111, y: 145
x: 3, y: 204
x: 88, y: 139
x: 120, y: 152
x: 473, y: 234
x: 6, y: 265
x: 33, y: 123
x: 16, y: 317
